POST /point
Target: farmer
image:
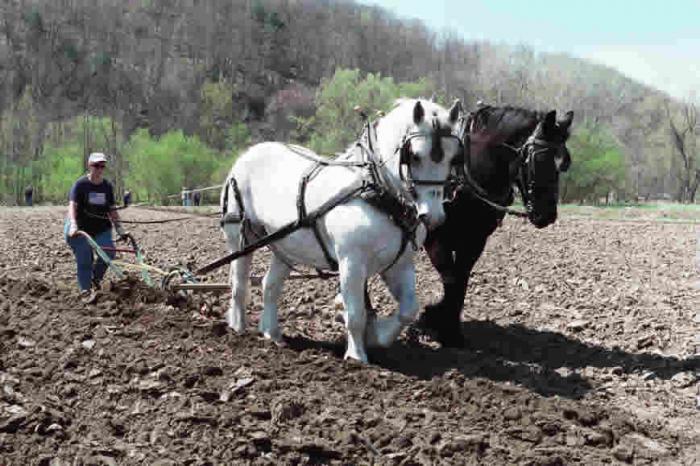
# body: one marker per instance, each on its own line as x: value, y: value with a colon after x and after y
x: 197, y: 198
x: 91, y: 210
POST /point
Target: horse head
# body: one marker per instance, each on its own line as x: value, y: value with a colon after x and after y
x: 543, y: 156
x: 509, y: 145
x: 417, y: 143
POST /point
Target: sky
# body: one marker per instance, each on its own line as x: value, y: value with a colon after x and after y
x: 652, y: 41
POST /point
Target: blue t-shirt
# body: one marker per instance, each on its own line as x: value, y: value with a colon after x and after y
x: 94, y: 201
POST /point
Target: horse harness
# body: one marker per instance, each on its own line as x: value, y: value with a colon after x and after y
x: 374, y: 189
x: 525, y: 157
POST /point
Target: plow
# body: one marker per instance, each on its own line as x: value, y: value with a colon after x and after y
x: 178, y: 278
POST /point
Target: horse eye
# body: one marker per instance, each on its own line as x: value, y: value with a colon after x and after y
x: 415, y: 158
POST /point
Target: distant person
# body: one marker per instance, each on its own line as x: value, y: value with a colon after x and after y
x: 29, y: 195
x: 186, y: 200
x: 127, y: 198
x: 91, y: 208
x: 197, y: 197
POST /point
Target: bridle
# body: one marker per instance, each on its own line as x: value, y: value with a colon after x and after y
x: 436, y: 153
x: 525, y: 159
x: 525, y: 177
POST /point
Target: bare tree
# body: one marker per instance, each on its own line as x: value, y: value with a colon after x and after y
x: 684, y: 134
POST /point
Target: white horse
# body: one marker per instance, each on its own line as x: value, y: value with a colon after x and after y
x: 414, y: 150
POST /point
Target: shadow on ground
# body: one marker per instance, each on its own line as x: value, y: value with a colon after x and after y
x: 542, y: 361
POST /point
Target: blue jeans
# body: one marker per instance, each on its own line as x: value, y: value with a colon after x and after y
x: 87, y: 271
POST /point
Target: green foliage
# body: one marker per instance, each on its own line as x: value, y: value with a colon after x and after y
x: 70, y: 51
x: 336, y: 124
x: 270, y: 20
x: 34, y: 20
x: 101, y: 59
x: 598, y: 167
x: 274, y: 22
x: 259, y: 12
x: 61, y: 162
x: 216, y: 113
x: 60, y: 166
x: 237, y: 138
x: 162, y: 166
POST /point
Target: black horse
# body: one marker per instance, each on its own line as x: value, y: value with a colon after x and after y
x: 504, y: 146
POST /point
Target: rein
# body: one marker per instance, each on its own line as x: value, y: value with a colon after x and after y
x: 466, y: 180
x: 153, y: 222
x: 525, y: 155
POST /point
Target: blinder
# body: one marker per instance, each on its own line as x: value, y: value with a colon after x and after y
x: 437, y: 154
x: 527, y: 175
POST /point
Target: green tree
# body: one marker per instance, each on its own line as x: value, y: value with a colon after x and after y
x: 59, y: 167
x: 598, y: 168
x: 162, y: 166
x: 237, y: 140
x: 335, y: 124
x: 216, y: 113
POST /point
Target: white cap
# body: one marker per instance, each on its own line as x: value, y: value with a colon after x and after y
x: 97, y: 157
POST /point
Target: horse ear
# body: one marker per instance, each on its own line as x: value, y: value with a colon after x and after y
x: 455, y: 111
x: 566, y: 121
x: 550, y: 119
x: 418, y: 113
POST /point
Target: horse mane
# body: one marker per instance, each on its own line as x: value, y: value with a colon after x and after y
x: 507, y: 122
x: 397, y: 122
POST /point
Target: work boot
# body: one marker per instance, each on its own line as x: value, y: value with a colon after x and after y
x: 88, y: 296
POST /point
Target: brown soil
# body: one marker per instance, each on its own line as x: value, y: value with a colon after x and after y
x: 579, y: 351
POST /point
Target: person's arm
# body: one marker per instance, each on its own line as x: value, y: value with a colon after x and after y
x: 72, y: 218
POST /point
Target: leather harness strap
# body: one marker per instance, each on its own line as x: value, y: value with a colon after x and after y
x: 303, y: 216
x: 374, y: 190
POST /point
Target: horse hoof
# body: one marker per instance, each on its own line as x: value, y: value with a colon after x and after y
x: 274, y: 336
x: 430, y: 320
x: 236, y: 327
x: 236, y: 323
x: 280, y: 343
x: 340, y: 316
x: 356, y: 358
x: 451, y: 339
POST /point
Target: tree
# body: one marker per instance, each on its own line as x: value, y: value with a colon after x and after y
x: 161, y: 166
x: 598, y: 169
x: 335, y: 124
x: 216, y: 113
x: 685, y: 131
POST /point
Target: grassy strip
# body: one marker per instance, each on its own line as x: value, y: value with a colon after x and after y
x: 664, y: 212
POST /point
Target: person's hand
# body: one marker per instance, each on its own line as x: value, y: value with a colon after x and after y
x: 119, y: 229
x: 72, y: 229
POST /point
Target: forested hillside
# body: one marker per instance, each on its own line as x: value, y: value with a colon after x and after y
x: 188, y: 83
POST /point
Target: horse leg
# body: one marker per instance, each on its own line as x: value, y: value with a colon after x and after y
x: 239, y: 278
x: 272, y: 289
x: 442, y: 257
x: 446, y: 320
x: 338, y: 304
x: 353, y: 277
x: 401, y: 282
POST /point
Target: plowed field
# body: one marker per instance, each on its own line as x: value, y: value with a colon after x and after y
x: 579, y: 350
